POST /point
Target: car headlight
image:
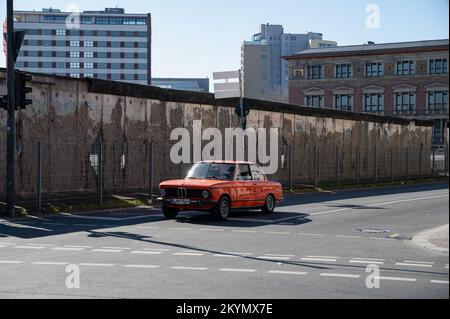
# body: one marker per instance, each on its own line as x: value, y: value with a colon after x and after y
x: 163, y: 192
x: 206, y: 194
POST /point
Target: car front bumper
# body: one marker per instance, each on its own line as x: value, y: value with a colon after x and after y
x: 202, y: 204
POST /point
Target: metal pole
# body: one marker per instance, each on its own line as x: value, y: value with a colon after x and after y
x: 151, y: 177
x: 11, y: 116
x: 338, y: 166
x: 100, y: 171
x: 39, y: 177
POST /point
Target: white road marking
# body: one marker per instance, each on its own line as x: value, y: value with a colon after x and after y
x: 386, y: 239
x: 50, y: 263
x: 277, y: 233
x: 419, y: 262
x: 345, y: 236
x: 273, y: 258
x: 142, y: 266
x: 367, y: 262
x: 372, y: 259
x: 41, y: 245
x: 174, y: 228
x: 188, y: 268
x: 116, y: 248
x: 396, y: 279
x: 381, y: 204
x: 277, y: 255
x: 155, y: 249
x: 73, y: 246
x: 146, y: 252
x: 188, y: 254
x: 326, y: 257
x: 319, y: 259
x: 444, y: 282
x: 148, y: 227
x: 305, y: 234
x: 68, y: 248
x: 223, y: 255
x: 280, y: 272
x: 339, y: 275
x: 30, y: 247
x: 240, y: 254
x: 10, y: 262
x: 96, y: 265
x: 244, y: 231
x: 212, y: 230
x: 107, y: 250
x: 237, y: 270
x: 413, y: 265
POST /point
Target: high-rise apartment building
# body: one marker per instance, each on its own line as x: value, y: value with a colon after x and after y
x: 109, y: 44
x: 265, y: 73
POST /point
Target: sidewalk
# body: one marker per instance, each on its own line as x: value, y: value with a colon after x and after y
x: 436, y: 239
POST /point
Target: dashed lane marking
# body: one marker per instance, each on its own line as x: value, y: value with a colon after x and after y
x: 178, y: 228
x: 325, y: 257
x: 188, y: 254
x: 273, y: 258
x: 345, y: 236
x: 278, y: 255
x: 188, y: 268
x: 280, y: 272
x: 117, y: 248
x: 277, y: 233
x: 316, y: 235
x: 76, y: 246
x: 30, y: 247
x: 96, y: 265
x: 374, y: 262
x: 107, y: 250
x: 340, y: 275
x: 225, y: 255
x: 212, y: 230
x: 50, y: 263
x: 413, y: 265
x: 319, y: 259
x: 396, y: 279
x: 146, y: 252
x: 69, y: 248
x: 11, y: 262
x: 237, y: 270
x: 142, y: 266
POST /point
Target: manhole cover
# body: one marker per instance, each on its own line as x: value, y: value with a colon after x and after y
x: 373, y: 231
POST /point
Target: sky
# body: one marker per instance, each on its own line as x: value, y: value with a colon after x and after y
x: 194, y: 38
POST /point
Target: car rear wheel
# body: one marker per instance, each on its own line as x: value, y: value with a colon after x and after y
x: 269, y: 206
x: 170, y: 213
x: 222, y: 210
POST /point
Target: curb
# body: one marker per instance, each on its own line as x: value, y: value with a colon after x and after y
x: 422, y: 240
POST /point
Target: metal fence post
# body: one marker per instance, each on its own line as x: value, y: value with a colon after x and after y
x: 392, y: 163
x: 151, y: 177
x: 38, y: 177
x: 338, y: 165
x: 100, y: 171
x: 291, y: 168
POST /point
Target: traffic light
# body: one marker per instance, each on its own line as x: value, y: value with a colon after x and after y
x: 21, y: 90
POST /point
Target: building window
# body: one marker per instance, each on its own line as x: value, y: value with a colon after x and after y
x: 60, y: 32
x: 438, y: 100
x: 75, y: 75
x: 88, y: 54
x: 373, y: 103
x: 88, y: 43
x: 405, y: 102
x: 89, y: 65
x: 314, y: 100
x: 343, y: 71
x: 299, y: 73
x: 438, y: 66
x: 343, y: 102
x: 74, y: 54
x: 405, y: 68
x: 438, y: 133
x: 74, y: 43
x: 314, y: 72
x: 374, y: 69
x: 74, y: 65
x: 88, y: 75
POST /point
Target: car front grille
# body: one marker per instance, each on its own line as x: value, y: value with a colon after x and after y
x: 184, y: 193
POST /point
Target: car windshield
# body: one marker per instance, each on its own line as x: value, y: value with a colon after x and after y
x: 223, y: 172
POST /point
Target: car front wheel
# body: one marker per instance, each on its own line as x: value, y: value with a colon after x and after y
x: 269, y: 206
x: 170, y: 213
x: 222, y: 210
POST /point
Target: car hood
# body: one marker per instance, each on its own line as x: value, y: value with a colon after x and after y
x: 192, y: 183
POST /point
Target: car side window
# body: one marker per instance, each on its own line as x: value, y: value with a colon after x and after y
x: 256, y: 173
x: 244, y: 173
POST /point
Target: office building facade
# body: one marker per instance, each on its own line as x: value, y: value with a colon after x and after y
x: 407, y: 79
x: 266, y: 74
x: 183, y: 84
x: 109, y: 44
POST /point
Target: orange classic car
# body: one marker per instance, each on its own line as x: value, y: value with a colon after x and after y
x: 219, y: 187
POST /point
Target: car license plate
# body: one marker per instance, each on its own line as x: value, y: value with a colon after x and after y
x: 181, y: 201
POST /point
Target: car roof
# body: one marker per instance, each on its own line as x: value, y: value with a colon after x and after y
x: 228, y: 162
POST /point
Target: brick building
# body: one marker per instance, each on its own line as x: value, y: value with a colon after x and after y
x: 408, y: 79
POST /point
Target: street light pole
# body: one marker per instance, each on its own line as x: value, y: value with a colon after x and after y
x: 11, y: 109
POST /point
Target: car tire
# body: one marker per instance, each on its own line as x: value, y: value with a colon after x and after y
x: 170, y: 213
x: 269, y: 205
x: 222, y: 209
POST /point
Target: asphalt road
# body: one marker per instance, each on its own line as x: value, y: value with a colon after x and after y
x: 314, y: 246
